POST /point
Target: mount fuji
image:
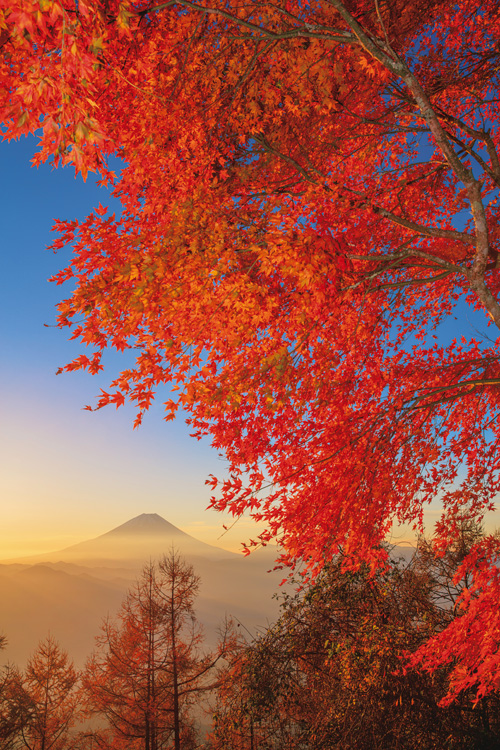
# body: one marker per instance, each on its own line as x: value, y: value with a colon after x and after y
x: 71, y: 591
x: 143, y: 537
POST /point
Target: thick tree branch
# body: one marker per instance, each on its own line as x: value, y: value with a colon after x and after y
x: 306, y: 31
x: 422, y: 229
x: 377, y: 49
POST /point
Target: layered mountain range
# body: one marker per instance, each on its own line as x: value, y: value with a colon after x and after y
x: 70, y: 592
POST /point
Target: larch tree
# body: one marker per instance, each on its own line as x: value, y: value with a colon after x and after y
x: 14, y: 705
x: 148, y: 669
x: 48, y: 688
x: 309, y: 192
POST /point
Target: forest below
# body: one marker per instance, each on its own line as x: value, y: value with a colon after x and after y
x: 333, y: 671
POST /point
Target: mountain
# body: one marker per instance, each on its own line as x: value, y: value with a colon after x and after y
x: 69, y: 592
x: 150, y: 524
x: 136, y: 541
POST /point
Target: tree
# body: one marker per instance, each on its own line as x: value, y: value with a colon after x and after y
x: 14, y: 712
x: 14, y: 709
x: 470, y: 592
x: 46, y: 692
x: 328, y: 673
x: 309, y: 191
x: 148, y: 669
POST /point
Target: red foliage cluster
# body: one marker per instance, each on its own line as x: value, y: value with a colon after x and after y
x: 309, y: 190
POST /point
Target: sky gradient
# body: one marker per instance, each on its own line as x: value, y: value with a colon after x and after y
x: 68, y: 474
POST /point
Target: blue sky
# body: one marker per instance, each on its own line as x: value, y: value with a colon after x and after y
x: 68, y: 474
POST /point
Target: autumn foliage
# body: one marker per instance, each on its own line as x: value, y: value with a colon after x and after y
x: 327, y: 674
x: 309, y: 192
x: 39, y: 706
x: 148, y: 669
x: 144, y: 687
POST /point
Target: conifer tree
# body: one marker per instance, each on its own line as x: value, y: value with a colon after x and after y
x: 48, y: 688
x: 148, y: 669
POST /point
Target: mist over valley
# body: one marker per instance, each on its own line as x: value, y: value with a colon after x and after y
x: 68, y: 593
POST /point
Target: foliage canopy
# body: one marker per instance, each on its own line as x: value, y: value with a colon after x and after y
x: 310, y: 190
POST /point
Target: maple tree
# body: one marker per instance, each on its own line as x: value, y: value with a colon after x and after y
x: 309, y: 191
x: 148, y: 670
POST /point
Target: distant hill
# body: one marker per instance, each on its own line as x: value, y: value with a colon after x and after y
x: 70, y: 591
x: 40, y: 599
